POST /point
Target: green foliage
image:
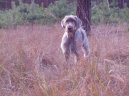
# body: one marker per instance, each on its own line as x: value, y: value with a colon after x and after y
x: 22, y: 14
x: 103, y: 14
x: 62, y: 8
x: 124, y: 14
x: 33, y: 13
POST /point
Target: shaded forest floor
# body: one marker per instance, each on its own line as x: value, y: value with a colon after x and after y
x: 32, y: 64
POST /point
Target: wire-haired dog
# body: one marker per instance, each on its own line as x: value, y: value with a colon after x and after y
x: 74, y: 39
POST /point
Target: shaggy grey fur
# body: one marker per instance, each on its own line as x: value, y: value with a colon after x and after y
x: 74, y: 39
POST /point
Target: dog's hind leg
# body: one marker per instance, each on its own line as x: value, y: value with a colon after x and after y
x: 86, y: 50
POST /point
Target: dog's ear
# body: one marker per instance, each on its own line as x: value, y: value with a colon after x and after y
x: 63, y: 22
x: 79, y: 22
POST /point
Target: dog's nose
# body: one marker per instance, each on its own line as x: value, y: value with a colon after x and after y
x: 70, y: 28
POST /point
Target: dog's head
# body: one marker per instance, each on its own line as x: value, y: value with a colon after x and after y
x: 71, y: 23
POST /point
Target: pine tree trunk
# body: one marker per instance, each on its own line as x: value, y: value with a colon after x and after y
x: 110, y: 3
x: 121, y: 3
x: 84, y: 13
x: 127, y: 2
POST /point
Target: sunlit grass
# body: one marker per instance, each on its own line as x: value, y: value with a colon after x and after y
x: 31, y: 63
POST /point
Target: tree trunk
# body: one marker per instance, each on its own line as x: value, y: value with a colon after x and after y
x: 45, y: 2
x: 6, y: 4
x: 121, y: 4
x: 84, y: 13
x: 118, y: 3
x: 127, y: 2
x: 110, y: 3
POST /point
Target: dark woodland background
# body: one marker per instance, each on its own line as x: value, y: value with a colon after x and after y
x: 15, y: 12
x: 6, y: 4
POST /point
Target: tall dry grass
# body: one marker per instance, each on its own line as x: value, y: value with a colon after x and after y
x: 31, y: 63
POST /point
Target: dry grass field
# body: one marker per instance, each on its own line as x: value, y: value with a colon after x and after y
x: 32, y: 64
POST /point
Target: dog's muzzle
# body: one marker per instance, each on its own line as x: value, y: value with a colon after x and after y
x: 70, y: 29
x: 70, y: 32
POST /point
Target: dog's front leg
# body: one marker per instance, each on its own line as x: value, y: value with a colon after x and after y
x: 66, y: 54
x: 86, y: 49
x: 65, y: 48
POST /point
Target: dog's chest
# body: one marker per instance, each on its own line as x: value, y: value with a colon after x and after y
x: 78, y: 45
x: 74, y: 44
x: 78, y: 39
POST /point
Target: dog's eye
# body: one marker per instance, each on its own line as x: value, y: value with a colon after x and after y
x: 70, y: 20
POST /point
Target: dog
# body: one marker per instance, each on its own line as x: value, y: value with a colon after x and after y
x: 74, y: 38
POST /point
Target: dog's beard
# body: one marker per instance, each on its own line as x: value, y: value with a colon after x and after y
x: 70, y: 35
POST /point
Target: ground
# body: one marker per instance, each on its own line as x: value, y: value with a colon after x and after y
x: 32, y: 64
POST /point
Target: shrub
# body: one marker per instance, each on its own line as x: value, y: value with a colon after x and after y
x: 33, y: 13
x: 62, y: 8
x: 124, y: 14
x: 103, y: 14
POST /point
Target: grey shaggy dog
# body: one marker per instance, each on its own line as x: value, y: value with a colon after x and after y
x: 74, y: 39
